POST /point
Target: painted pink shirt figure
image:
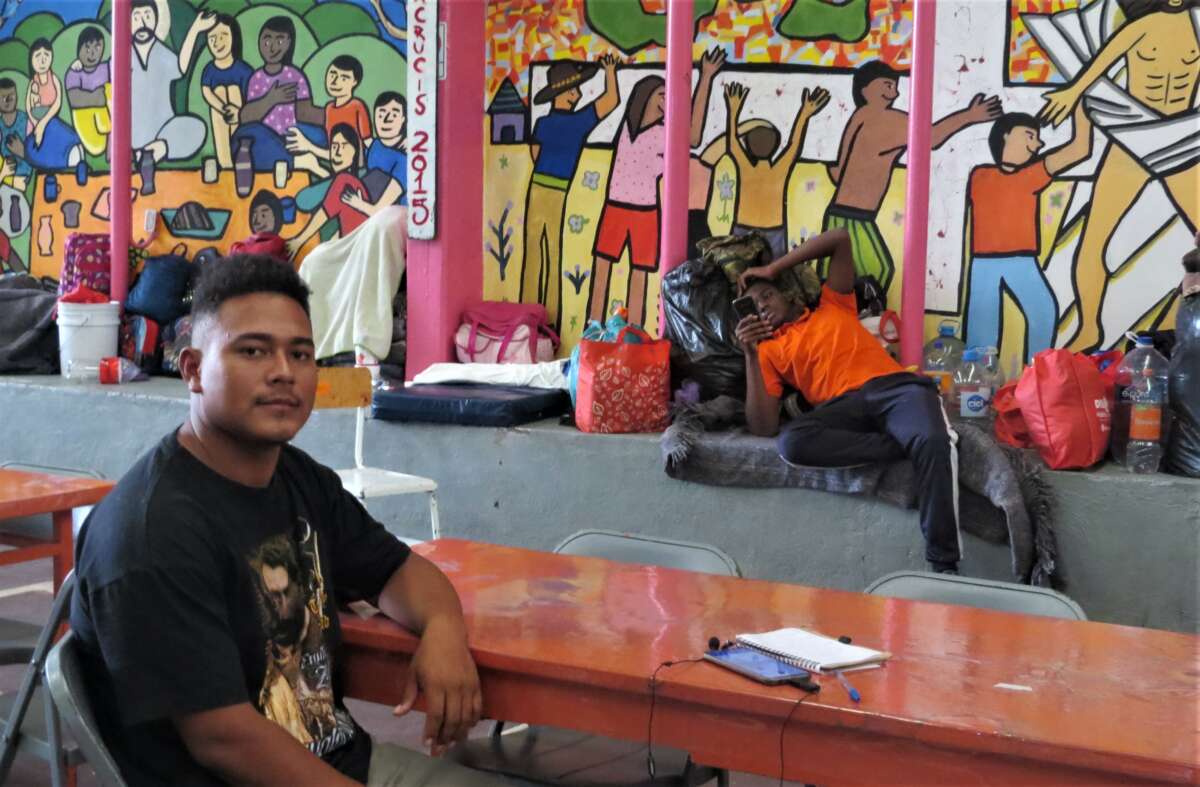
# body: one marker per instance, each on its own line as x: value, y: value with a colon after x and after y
x: 637, y: 166
x: 282, y: 116
x: 47, y: 93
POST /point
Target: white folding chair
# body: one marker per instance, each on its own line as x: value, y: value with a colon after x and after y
x: 972, y: 592
x: 64, y: 679
x: 343, y: 387
x: 31, y: 721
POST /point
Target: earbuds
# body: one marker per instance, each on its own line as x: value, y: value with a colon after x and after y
x: 715, y: 644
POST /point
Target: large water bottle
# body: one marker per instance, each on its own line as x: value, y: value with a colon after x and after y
x: 1137, y: 436
x: 974, y: 385
x: 942, y: 358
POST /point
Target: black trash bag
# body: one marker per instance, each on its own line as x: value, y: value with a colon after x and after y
x: 1183, y: 445
x: 28, y: 332
x: 697, y: 302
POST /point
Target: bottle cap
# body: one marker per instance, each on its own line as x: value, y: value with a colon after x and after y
x: 971, y: 355
x: 945, y: 329
x: 1145, y: 341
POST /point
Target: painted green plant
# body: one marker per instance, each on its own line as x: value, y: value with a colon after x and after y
x: 502, y: 252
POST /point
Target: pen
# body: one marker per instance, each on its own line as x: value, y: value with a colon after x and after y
x: 853, y: 692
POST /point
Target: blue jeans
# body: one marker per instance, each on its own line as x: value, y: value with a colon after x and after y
x: 1023, y: 277
x: 55, y: 151
x: 269, y: 147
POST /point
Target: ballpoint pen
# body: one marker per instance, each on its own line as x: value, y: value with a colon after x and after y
x: 853, y: 692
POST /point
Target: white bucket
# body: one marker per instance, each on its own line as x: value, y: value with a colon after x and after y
x: 87, y: 332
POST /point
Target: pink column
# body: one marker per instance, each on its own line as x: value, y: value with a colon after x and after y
x: 120, y: 145
x: 916, y: 203
x: 445, y: 274
x: 675, y: 170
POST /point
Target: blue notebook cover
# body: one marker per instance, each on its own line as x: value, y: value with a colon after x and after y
x: 755, y: 664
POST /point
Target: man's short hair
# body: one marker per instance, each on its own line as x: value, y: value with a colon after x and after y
x: 89, y: 35
x: 387, y: 97
x: 1005, y: 124
x: 245, y: 274
x: 7, y: 84
x: 136, y: 4
x: 351, y: 64
x: 867, y: 73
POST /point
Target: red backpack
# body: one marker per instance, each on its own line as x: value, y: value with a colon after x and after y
x: 489, y: 328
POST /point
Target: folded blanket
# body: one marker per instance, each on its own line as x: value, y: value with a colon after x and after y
x: 1003, y: 494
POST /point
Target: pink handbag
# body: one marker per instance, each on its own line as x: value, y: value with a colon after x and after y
x: 87, y: 261
x: 498, y: 332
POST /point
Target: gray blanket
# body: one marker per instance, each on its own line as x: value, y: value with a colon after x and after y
x: 28, y: 333
x: 1003, y: 496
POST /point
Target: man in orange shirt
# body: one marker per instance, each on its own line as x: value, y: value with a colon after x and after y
x: 868, y: 409
x: 1005, y: 228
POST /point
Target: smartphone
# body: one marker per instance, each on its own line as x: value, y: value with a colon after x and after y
x: 756, y: 665
x: 744, y: 307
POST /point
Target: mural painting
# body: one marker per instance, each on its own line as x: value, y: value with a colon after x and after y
x: 750, y: 80
x: 282, y: 116
x: 799, y: 124
x: 1093, y: 218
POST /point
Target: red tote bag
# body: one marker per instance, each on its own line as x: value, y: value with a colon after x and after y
x: 1066, y: 408
x: 623, y: 387
x: 1010, y: 425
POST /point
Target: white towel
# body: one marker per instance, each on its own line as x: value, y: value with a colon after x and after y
x: 353, y: 281
x: 530, y: 375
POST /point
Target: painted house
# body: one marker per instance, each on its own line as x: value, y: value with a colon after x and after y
x: 510, y: 117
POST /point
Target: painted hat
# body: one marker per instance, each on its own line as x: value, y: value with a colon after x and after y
x: 562, y: 77
x: 719, y: 146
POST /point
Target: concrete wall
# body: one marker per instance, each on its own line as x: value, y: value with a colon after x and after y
x: 1128, y: 545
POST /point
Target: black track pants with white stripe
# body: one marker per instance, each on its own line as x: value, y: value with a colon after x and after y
x: 887, y: 419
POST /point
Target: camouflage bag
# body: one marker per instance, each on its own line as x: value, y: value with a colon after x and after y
x: 733, y: 254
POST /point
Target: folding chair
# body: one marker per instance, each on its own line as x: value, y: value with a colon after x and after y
x: 554, y: 756
x: 342, y: 387
x: 32, y: 724
x: 972, y: 592
x: 64, y: 679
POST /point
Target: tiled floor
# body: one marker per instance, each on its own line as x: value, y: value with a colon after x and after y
x: 25, y: 595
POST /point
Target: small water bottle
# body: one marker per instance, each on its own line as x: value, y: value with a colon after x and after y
x: 1137, y: 439
x: 973, y: 385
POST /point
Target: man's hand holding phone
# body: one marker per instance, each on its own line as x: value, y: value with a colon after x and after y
x: 751, y: 329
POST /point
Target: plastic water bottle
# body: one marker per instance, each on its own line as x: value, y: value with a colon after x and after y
x: 991, y: 359
x: 974, y: 385
x: 1137, y: 439
x: 942, y: 358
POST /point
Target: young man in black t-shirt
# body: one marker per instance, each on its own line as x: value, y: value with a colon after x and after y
x: 208, y: 580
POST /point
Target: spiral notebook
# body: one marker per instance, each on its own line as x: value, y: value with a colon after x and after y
x: 813, y: 652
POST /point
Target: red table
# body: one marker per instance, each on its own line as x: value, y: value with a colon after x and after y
x: 571, y: 642
x: 28, y: 494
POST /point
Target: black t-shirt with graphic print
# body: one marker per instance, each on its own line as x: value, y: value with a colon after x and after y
x: 196, y: 593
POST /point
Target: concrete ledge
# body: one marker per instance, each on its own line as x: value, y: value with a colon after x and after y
x: 1128, y: 545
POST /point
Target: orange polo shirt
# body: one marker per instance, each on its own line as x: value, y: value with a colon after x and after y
x: 825, y: 353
